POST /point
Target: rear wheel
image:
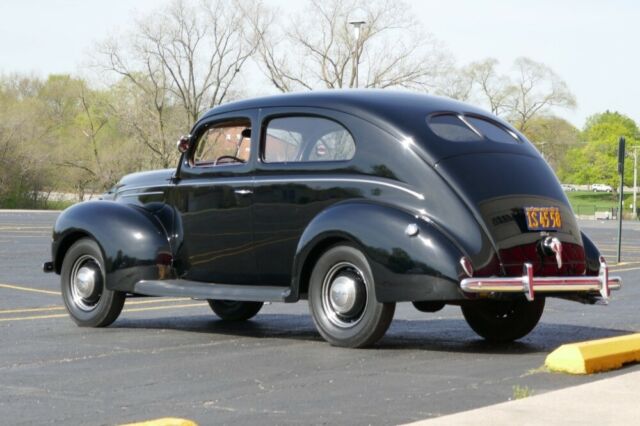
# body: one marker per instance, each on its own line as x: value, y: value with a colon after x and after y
x: 232, y: 310
x: 428, y: 306
x: 342, y: 299
x: 84, y: 290
x: 503, y: 321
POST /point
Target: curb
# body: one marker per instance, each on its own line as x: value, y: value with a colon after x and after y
x: 610, y: 401
x: 595, y: 355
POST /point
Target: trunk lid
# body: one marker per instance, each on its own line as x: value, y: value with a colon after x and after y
x: 498, y: 187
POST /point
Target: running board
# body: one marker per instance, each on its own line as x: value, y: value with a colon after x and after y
x: 200, y: 290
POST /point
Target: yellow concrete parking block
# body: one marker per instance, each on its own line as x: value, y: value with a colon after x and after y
x: 167, y: 421
x: 595, y: 355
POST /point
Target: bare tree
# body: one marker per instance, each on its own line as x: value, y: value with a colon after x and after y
x: 185, y: 57
x: 455, y: 83
x: 531, y: 91
x: 321, y: 50
x: 536, y: 89
x: 495, y: 89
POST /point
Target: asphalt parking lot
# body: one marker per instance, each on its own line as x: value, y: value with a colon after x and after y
x: 172, y: 356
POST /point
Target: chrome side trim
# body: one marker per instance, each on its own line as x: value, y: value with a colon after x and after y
x: 134, y: 188
x: 529, y: 285
x: 137, y: 194
x: 223, y: 181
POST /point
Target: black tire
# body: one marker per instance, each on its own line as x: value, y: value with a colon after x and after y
x: 231, y: 310
x: 429, y: 307
x: 82, y: 279
x: 361, y: 320
x: 503, y: 321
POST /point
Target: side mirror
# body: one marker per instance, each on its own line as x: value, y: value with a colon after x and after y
x: 183, y: 143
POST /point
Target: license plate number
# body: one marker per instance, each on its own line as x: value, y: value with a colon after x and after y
x: 543, y: 218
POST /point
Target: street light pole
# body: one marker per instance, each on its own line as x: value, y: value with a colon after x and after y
x: 635, y: 180
x: 356, y: 51
x: 621, y: 150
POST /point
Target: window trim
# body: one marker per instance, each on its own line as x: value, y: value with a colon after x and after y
x: 262, y: 143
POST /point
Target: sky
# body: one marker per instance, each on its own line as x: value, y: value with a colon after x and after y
x: 592, y: 45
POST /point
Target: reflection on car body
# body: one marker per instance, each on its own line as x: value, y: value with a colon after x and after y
x: 354, y: 200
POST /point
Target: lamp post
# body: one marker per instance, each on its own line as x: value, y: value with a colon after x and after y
x: 540, y: 146
x: 356, y: 52
x: 635, y: 180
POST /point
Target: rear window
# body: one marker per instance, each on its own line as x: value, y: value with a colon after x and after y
x: 491, y: 131
x: 451, y: 128
x: 468, y: 128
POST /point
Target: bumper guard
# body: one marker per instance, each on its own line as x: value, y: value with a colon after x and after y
x: 530, y: 285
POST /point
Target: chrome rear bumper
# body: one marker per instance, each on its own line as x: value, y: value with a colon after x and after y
x: 530, y: 285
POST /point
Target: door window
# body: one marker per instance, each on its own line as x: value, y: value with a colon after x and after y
x: 304, y: 139
x: 224, y: 144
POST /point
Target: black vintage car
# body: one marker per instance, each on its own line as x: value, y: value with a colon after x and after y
x: 354, y: 200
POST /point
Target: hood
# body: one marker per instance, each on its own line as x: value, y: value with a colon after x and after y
x: 150, y: 178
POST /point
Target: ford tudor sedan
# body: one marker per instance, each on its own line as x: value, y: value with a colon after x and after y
x: 353, y: 200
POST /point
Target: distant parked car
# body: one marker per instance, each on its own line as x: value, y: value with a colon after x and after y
x: 352, y: 200
x: 601, y: 187
x: 568, y: 188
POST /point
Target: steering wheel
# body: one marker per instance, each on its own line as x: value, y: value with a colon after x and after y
x: 222, y: 159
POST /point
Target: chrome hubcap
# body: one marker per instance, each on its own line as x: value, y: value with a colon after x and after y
x: 344, y: 295
x: 86, y: 282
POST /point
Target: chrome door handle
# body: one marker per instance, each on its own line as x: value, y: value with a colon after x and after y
x: 243, y: 191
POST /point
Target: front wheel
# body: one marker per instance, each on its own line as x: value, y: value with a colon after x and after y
x: 342, y: 299
x: 232, y: 310
x: 503, y: 321
x: 84, y: 290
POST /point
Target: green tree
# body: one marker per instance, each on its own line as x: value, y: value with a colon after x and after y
x: 60, y: 135
x: 80, y: 136
x: 595, y: 161
x: 554, y: 137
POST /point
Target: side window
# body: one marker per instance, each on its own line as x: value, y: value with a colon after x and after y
x: 304, y: 139
x: 223, y: 144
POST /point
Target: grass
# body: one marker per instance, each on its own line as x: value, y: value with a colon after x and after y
x: 586, y: 202
x: 58, y: 205
x: 520, y: 392
x: 10, y: 203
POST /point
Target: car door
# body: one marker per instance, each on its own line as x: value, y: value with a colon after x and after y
x: 304, y: 157
x: 213, y: 196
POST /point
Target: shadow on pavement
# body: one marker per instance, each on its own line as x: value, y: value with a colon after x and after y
x: 446, y: 335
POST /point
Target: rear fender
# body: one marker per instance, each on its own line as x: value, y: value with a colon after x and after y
x: 405, y: 267
x: 134, y: 243
x: 591, y: 255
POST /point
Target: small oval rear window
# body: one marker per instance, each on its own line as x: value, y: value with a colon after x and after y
x: 451, y: 128
x: 490, y: 130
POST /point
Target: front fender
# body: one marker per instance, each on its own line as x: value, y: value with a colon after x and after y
x: 133, y: 242
x: 405, y: 268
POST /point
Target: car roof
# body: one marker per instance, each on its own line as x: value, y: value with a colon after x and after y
x: 387, y: 105
x: 401, y: 113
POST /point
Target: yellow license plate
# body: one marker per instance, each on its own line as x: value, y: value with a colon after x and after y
x: 543, y: 218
